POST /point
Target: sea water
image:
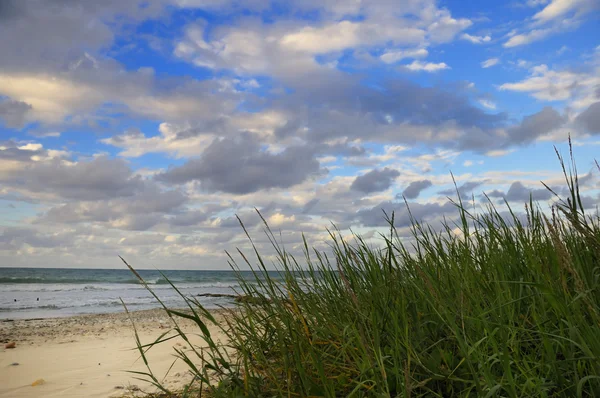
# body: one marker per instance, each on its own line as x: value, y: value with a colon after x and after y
x: 54, y: 292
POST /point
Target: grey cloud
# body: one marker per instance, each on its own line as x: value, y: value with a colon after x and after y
x: 536, y: 125
x: 15, y: 237
x: 239, y: 166
x: 13, y: 112
x: 374, y: 217
x: 100, y: 178
x: 189, y: 218
x: 414, y: 189
x: 310, y: 205
x: 464, y: 190
x: 590, y: 118
x: 142, y: 210
x: 518, y: 192
x: 375, y: 180
x: 14, y: 151
x: 47, y: 28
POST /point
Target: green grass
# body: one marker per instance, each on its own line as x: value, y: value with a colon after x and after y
x: 505, y: 308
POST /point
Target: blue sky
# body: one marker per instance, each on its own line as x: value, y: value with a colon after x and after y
x: 142, y: 128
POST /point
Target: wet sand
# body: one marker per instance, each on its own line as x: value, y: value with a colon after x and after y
x: 89, y: 355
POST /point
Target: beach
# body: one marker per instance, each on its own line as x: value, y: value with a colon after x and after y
x: 89, y: 355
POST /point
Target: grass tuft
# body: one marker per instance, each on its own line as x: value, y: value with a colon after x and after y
x: 505, y: 307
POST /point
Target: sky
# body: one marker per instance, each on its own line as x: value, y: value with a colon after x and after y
x: 143, y: 128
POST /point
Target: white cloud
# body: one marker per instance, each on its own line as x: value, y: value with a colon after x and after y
x: 560, y: 8
x: 487, y: 104
x: 490, y: 62
x: 445, y: 28
x: 394, y: 56
x: 546, y: 84
x: 476, y: 39
x: 417, y: 66
x: 346, y: 34
x: 556, y: 17
x: 526, y: 38
x: 499, y: 152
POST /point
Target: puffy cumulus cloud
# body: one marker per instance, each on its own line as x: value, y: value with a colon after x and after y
x: 418, y: 66
x: 375, y: 180
x: 239, y: 165
x: 476, y: 39
x: 577, y: 86
x: 285, y: 49
x: 414, y: 189
x: 444, y: 28
x: 347, y: 34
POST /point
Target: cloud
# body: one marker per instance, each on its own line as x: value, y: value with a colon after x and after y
x: 13, y: 113
x: 536, y: 125
x: 557, y: 17
x: 518, y: 192
x: 374, y: 217
x: 417, y: 66
x: 476, y: 39
x: 47, y: 29
x: 415, y: 188
x: 560, y: 8
x: 590, y: 118
x: 391, y: 57
x: 240, y: 166
x: 526, y: 38
x: 98, y: 179
x: 487, y: 104
x: 346, y: 34
x: 463, y: 190
x: 543, y: 83
x: 375, y: 180
x: 490, y: 62
x: 445, y: 28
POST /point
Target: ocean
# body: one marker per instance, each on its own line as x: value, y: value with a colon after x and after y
x: 53, y: 292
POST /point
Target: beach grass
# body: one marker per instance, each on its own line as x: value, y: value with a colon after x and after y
x: 496, y: 305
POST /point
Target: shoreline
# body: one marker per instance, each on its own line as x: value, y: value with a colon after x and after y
x: 89, y: 355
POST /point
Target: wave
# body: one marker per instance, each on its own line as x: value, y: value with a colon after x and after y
x: 78, y: 281
x: 37, y: 279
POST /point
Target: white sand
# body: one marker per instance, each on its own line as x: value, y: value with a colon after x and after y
x: 87, y: 356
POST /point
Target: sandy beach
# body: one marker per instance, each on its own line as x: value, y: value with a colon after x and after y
x: 88, y: 355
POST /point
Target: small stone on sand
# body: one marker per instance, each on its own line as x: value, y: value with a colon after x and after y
x: 38, y: 382
x: 14, y: 364
x: 12, y: 344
